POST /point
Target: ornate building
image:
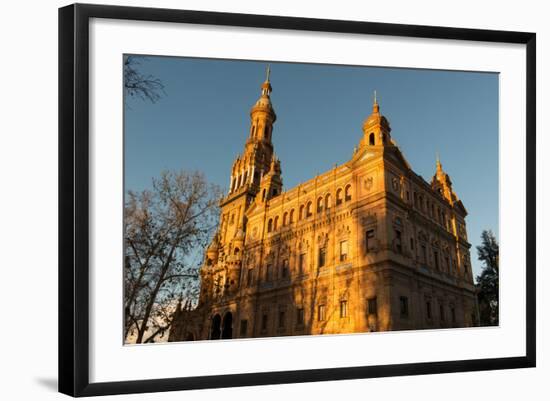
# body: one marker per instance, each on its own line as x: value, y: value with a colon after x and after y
x: 366, y: 246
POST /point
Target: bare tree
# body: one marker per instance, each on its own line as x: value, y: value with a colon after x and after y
x: 165, y: 229
x: 138, y: 85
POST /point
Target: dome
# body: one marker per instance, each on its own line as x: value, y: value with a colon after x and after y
x: 263, y: 102
x: 376, y: 119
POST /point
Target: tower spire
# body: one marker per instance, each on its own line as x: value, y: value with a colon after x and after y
x: 375, y: 106
x: 267, y: 73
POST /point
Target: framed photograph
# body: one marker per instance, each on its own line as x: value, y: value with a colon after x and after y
x: 251, y: 199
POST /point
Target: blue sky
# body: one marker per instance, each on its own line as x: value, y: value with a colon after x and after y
x: 202, y: 122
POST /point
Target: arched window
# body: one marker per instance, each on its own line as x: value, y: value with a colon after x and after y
x: 227, y: 327
x: 328, y: 201
x: 309, y: 212
x: 253, y: 133
x: 371, y: 138
x: 301, y: 214
x: 339, y: 199
x: 215, y: 329
x: 320, y: 204
x: 270, y: 225
x: 236, y: 251
x: 276, y: 223
x: 348, y: 193
x: 291, y: 217
x: 285, y: 219
x: 263, y: 194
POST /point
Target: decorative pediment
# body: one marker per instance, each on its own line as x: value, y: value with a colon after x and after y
x: 423, y: 236
x: 460, y: 206
x: 369, y: 219
x: 343, y: 230
x: 398, y: 157
x: 322, y: 239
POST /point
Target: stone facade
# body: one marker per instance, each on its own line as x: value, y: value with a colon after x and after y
x: 366, y: 246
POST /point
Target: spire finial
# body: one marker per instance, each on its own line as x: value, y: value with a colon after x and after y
x: 437, y: 161
x: 266, y: 86
x: 375, y: 107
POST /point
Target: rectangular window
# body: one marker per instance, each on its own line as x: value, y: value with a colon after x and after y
x: 398, y: 246
x: 343, y: 309
x: 264, y: 322
x: 249, y: 278
x: 281, y: 319
x: 412, y: 244
x: 322, y: 256
x: 453, y: 314
x: 300, y: 316
x: 343, y: 251
x: 424, y: 255
x: 244, y: 328
x: 269, y: 272
x: 321, y: 313
x: 369, y: 239
x: 447, y: 263
x: 302, y: 263
x: 372, y: 307
x: 428, y: 309
x: 404, y: 306
x: 436, y: 260
x: 284, y: 272
x: 441, y: 312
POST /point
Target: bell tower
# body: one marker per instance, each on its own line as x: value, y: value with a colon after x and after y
x: 254, y: 170
x: 376, y: 128
x: 255, y: 161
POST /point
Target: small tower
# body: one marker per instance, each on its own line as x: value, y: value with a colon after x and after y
x: 262, y: 115
x: 376, y: 128
x: 249, y: 167
x: 441, y: 182
x: 272, y: 183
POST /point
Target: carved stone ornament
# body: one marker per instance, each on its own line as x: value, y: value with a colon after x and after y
x: 368, y: 220
x: 368, y: 183
x: 322, y: 239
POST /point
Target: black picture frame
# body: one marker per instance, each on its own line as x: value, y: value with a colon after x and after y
x: 74, y: 198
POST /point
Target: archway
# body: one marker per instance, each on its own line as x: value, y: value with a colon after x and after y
x: 215, y: 330
x: 227, y: 330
